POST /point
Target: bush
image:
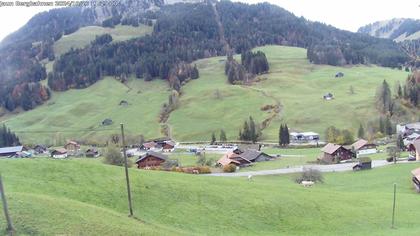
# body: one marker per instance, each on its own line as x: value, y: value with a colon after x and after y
x: 113, y: 157
x: 310, y: 175
x: 204, y: 170
x: 229, y: 168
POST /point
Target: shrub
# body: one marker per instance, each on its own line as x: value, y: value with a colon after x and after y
x: 310, y: 175
x: 204, y: 170
x: 229, y: 168
x: 113, y: 157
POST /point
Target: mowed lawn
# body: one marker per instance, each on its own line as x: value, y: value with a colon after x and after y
x: 83, y: 36
x: 68, y: 114
x: 84, y: 196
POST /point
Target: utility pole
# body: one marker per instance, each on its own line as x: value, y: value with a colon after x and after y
x: 126, y: 171
x: 393, y: 207
x: 10, y: 228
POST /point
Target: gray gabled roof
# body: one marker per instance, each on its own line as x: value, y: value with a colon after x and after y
x: 154, y: 154
x: 251, y: 154
x: 11, y: 149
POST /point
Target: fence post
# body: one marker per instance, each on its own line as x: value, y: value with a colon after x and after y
x: 10, y: 228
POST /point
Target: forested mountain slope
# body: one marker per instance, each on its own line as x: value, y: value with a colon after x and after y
x: 182, y: 33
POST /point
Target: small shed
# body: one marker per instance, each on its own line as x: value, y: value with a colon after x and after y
x: 328, y: 96
x: 107, y: 121
x: 339, y: 75
x: 365, y: 163
x: 123, y: 103
x: 168, y: 146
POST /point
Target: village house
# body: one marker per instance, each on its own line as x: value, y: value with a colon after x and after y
x: 148, y: 145
x: 335, y: 153
x: 363, y: 147
x: 40, y: 149
x: 414, y: 149
x: 407, y: 129
x: 303, y: 137
x: 10, y: 151
x: 168, y: 146
x: 151, y: 159
x: 72, y: 147
x: 243, y: 158
x: 233, y: 158
x: 59, y: 153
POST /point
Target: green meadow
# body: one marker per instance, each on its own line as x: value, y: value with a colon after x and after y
x: 69, y: 114
x: 210, y: 104
x: 83, y: 36
x: 84, y: 196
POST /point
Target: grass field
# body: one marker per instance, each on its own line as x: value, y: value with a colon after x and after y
x: 83, y: 196
x: 69, y: 113
x: 83, y: 36
x: 209, y: 103
x: 294, y: 82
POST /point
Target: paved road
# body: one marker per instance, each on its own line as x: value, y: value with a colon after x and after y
x: 322, y: 168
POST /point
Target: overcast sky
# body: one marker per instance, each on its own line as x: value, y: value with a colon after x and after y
x: 344, y: 14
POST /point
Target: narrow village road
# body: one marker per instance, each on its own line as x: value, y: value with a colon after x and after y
x: 322, y: 168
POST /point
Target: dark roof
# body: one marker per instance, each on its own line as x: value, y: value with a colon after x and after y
x: 154, y: 154
x: 251, y: 154
x: 59, y: 150
x: 11, y: 149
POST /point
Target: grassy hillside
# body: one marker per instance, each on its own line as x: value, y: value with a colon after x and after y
x: 78, y: 110
x: 292, y: 81
x: 210, y: 103
x: 72, y: 196
x: 83, y: 36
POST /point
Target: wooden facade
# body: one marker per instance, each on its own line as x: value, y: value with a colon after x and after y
x: 150, y: 159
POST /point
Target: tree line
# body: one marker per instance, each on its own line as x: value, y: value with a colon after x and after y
x: 7, y: 137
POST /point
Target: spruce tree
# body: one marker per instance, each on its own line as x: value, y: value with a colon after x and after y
x: 286, y: 135
x: 252, y: 130
x: 213, y: 138
x: 281, y: 135
x: 223, y: 136
x: 361, y: 132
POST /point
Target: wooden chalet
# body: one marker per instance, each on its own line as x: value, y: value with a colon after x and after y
x: 151, y: 159
x: 243, y: 158
x: 72, y: 146
x: 149, y: 145
x: 168, y: 146
x: 10, y: 151
x: 335, y: 153
x: 363, y: 147
x: 40, y: 149
x: 233, y: 158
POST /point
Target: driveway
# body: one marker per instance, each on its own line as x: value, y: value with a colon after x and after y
x: 297, y: 169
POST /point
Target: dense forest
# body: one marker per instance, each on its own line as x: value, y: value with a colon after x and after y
x: 8, y: 138
x: 182, y: 33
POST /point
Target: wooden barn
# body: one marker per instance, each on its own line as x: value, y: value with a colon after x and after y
x: 335, y: 153
x: 151, y: 159
x: 168, y: 146
x: 233, y: 158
